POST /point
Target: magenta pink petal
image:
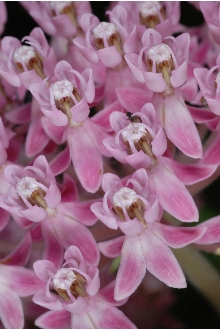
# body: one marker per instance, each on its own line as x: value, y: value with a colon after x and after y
x: 173, y: 195
x: 4, y: 218
x: 160, y: 261
x: 132, y: 268
x: 107, y: 294
x: 11, y: 311
x: 133, y: 98
x: 68, y: 189
x: 86, y: 158
x: 20, y: 115
x: 212, y: 153
x: 177, y: 237
x: 36, y: 138
x: 55, y: 133
x: 54, y: 320
x: 107, y: 218
x: 113, y: 247
x: 102, y: 117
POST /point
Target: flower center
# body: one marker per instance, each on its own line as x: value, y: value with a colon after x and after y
x: 137, y: 137
x: 66, y: 96
x: 67, y: 282
x: 151, y: 13
x: 106, y: 34
x: 127, y: 200
x: 27, y: 57
x: 64, y: 7
x: 161, y: 58
x: 28, y: 189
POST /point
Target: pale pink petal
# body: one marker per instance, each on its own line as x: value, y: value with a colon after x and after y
x: 55, y: 133
x: 102, y: 117
x: 110, y: 57
x: 53, y: 250
x: 132, y: 268
x: 105, y: 316
x: 107, y: 294
x: 132, y: 98
x: 44, y: 269
x: 160, y: 261
x: 70, y: 232
x: 54, y: 320
x: 107, y: 218
x: 11, y: 311
x: 81, y: 321
x: 86, y: 158
x: 113, y: 247
x: 173, y: 195
x: 177, y: 237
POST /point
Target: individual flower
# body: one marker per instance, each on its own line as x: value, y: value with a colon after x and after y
x: 58, y: 18
x: 65, y: 105
x: 26, y: 64
x: 75, y: 287
x: 34, y: 195
x: 162, y: 66
x: 140, y: 141
x: 145, y: 245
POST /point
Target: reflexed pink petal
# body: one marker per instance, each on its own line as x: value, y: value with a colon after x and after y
x: 21, y: 280
x: 212, y: 153
x: 53, y: 250
x: 132, y: 98
x: 54, y: 320
x: 81, y: 321
x: 68, y: 189
x: 11, y: 311
x: 113, y: 247
x: 132, y: 268
x: 102, y: 117
x: 177, y: 237
x: 160, y: 261
x: 105, y: 316
x: 36, y: 138
x: 190, y: 173
x: 60, y: 162
x: 173, y: 195
x: 20, y: 255
x: 86, y: 158
x: 4, y: 218
x: 71, y: 232
x: 107, y: 293
x: 212, y: 234
x: 20, y: 115
x: 55, y: 133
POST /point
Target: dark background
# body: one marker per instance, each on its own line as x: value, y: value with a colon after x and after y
x: 191, y: 308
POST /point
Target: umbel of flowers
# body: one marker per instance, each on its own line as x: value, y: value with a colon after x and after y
x: 100, y: 167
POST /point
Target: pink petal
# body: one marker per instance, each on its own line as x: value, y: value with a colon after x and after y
x: 212, y: 153
x: 132, y: 98
x: 107, y: 293
x: 54, y: 320
x: 212, y: 234
x: 70, y: 232
x: 36, y: 138
x: 102, y: 117
x: 60, y: 162
x: 53, y: 250
x: 132, y: 268
x: 190, y: 173
x: 44, y: 269
x: 110, y: 57
x: 105, y: 316
x: 68, y: 189
x: 160, y: 261
x: 55, y: 133
x: 154, y: 81
x: 113, y: 247
x: 177, y: 237
x: 11, y: 311
x: 4, y: 218
x: 173, y: 195
x: 20, y: 255
x: 86, y: 158
x: 107, y: 218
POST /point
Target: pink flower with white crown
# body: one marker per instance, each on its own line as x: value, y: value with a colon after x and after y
x: 133, y: 208
x: 27, y: 64
x: 76, y: 288
x: 65, y: 105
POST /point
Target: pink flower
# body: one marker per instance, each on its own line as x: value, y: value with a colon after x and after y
x: 29, y: 63
x: 58, y: 18
x: 141, y: 143
x: 136, y: 211
x: 65, y: 104
x: 107, y: 42
x: 210, y: 10
x: 75, y: 288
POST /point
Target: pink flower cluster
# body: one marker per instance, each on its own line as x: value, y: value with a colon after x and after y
x: 76, y: 182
